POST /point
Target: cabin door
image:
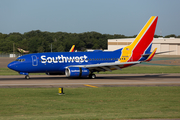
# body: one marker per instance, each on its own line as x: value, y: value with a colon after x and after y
x: 34, y: 60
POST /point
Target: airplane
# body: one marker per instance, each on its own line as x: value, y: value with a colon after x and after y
x: 72, y: 48
x: 22, y: 51
x: 84, y: 64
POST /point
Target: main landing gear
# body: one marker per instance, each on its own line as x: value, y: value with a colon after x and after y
x: 92, y: 76
x: 27, y: 77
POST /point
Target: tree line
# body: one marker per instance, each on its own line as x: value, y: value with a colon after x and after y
x: 37, y: 41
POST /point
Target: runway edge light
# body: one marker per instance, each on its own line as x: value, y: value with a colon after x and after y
x: 61, y: 91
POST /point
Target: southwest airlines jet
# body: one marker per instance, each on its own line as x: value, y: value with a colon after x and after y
x: 72, y: 48
x: 84, y: 64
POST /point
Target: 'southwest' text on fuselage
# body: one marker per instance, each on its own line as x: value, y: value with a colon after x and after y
x: 63, y: 59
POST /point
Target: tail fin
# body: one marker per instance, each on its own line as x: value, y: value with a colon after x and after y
x: 72, y: 48
x: 142, y: 42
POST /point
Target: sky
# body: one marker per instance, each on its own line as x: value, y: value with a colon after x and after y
x: 125, y: 17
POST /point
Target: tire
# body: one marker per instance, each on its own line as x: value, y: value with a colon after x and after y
x: 27, y: 77
x: 92, y: 76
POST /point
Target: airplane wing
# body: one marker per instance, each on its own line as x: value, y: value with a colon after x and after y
x: 106, y: 66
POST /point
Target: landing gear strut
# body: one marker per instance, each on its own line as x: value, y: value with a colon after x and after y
x: 27, y: 77
x: 92, y: 76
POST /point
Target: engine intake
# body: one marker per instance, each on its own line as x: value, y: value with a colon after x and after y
x: 76, y: 72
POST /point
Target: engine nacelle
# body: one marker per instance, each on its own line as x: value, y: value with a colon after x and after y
x: 76, y: 72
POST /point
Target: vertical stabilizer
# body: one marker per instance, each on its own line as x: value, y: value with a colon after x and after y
x: 72, y: 48
x: 142, y: 42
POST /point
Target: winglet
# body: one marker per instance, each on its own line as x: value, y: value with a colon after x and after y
x: 72, y: 48
x: 151, y: 55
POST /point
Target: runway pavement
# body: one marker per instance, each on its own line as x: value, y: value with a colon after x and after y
x: 100, y: 81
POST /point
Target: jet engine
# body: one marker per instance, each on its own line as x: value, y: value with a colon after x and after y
x: 76, y: 72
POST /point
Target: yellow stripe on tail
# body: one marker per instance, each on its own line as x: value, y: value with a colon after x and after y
x: 127, y: 52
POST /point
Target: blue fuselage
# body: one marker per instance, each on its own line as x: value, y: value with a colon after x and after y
x: 58, y: 61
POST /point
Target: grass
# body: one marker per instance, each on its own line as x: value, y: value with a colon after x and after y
x: 90, y: 103
x: 128, y: 70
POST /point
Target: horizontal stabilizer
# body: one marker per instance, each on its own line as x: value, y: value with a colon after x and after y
x: 165, y: 52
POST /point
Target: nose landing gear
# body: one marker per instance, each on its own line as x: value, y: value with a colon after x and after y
x: 24, y: 73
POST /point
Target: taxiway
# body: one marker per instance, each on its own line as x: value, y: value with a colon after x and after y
x: 100, y: 81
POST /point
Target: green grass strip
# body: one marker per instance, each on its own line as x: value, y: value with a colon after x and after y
x: 90, y: 103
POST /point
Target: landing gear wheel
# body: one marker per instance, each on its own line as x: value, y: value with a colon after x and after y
x: 92, y: 76
x: 27, y: 77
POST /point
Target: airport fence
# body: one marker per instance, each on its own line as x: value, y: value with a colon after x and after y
x: 9, y: 55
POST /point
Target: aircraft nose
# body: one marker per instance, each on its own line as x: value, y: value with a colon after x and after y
x: 11, y: 65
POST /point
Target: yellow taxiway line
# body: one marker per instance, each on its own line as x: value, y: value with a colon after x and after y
x: 90, y: 86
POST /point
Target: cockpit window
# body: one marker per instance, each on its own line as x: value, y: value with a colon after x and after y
x: 20, y: 60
